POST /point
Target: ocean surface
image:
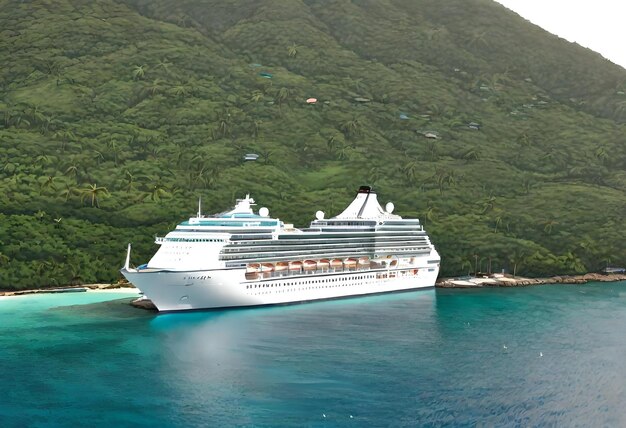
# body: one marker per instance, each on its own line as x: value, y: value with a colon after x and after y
x: 538, y: 356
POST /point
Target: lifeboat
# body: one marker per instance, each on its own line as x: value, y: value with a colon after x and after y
x: 295, y: 266
x: 350, y: 263
x: 267, y: 267
x: 310, y: 265
x: 323, y: 264
x: 254, y: 267
x: 281, y: 266
x: 336, y: 263
x: 393, y: 263
x: 364, y: 262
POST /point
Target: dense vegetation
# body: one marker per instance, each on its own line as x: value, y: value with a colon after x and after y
x: 115, y: 116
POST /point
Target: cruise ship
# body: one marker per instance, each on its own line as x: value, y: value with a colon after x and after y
x: 241, y: 258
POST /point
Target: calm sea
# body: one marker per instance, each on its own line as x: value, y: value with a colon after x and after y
x: 541, y: 356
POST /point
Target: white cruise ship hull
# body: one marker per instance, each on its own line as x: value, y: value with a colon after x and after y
x: 212, y: 289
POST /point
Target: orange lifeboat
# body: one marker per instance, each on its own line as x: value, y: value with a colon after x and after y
x: 393, y: 263
x: 252, y: 271
x: 323, y: 264
x: 295, y: 266
x: 253, y: 267
x: 281, y: 266
x: 350, y: 263
x: 336, y: 264
x: 364, y: 262
x: 310, y: 265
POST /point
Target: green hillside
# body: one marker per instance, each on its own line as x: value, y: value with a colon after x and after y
x: 115, y: 116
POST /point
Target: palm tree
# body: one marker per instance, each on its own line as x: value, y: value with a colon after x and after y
x: 351, y: 127
x: 98, y: 156
x: 444, y: 177
x: 180, y: 91
x: 431, y: 212
x: 42, y: 160
x: 223, y: 124
x: 466, y: 264
x: 130, y: 181
x: 256, y: 128
x: 72, y: 171
x: 164, y: 65
x: 488, y: 203
x: 410, y: 169
x: 139, y: 72
x: 601, y: 154
x: 68, y: 192
x: 293, y: 50
x: 343, y: 153
x: 48, y: 183
x: 155, y: 87
x: 548, y: 225
x: 471, y: 154
x: 517, y: 258
x: 93, y: 192
x: 282, y: 95
x: 157, y: 192
x: 331, y: 142
x: 497, y: 221
x: 256, y: 96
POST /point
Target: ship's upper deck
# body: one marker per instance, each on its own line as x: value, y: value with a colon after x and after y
x: 240, y: 217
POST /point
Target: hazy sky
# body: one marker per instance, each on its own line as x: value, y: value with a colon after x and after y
x: 599, y: 25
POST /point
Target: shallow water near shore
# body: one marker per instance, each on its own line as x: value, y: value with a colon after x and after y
x: 545, y: 355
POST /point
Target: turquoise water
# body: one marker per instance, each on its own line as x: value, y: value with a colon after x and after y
x: 426, y: 358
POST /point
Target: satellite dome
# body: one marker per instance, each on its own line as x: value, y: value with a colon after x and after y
x: 319, y: 215
x: 264, y: 212
x: 389, y: 207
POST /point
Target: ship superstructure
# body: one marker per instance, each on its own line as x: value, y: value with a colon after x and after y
x: 240, y: 258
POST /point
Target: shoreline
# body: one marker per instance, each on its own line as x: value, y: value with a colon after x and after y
x: 91, y: 288
x: 494, y: 280
x: 499, y: 280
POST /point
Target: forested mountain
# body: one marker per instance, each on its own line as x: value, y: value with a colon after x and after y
x: 115, y: 116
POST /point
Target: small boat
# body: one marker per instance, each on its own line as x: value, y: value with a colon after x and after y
x: 295, y: 266
x: 336, y: 264
x: 281, y: 266
x: 310, y: 265
x: 323, y: 264
x: 350, y: 263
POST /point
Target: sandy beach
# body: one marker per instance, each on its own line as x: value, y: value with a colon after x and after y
x: 89, y: 288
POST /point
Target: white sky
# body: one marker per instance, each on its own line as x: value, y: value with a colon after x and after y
x: 599, y: 25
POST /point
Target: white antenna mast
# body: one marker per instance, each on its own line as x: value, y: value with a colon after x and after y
x: 200, y: 207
